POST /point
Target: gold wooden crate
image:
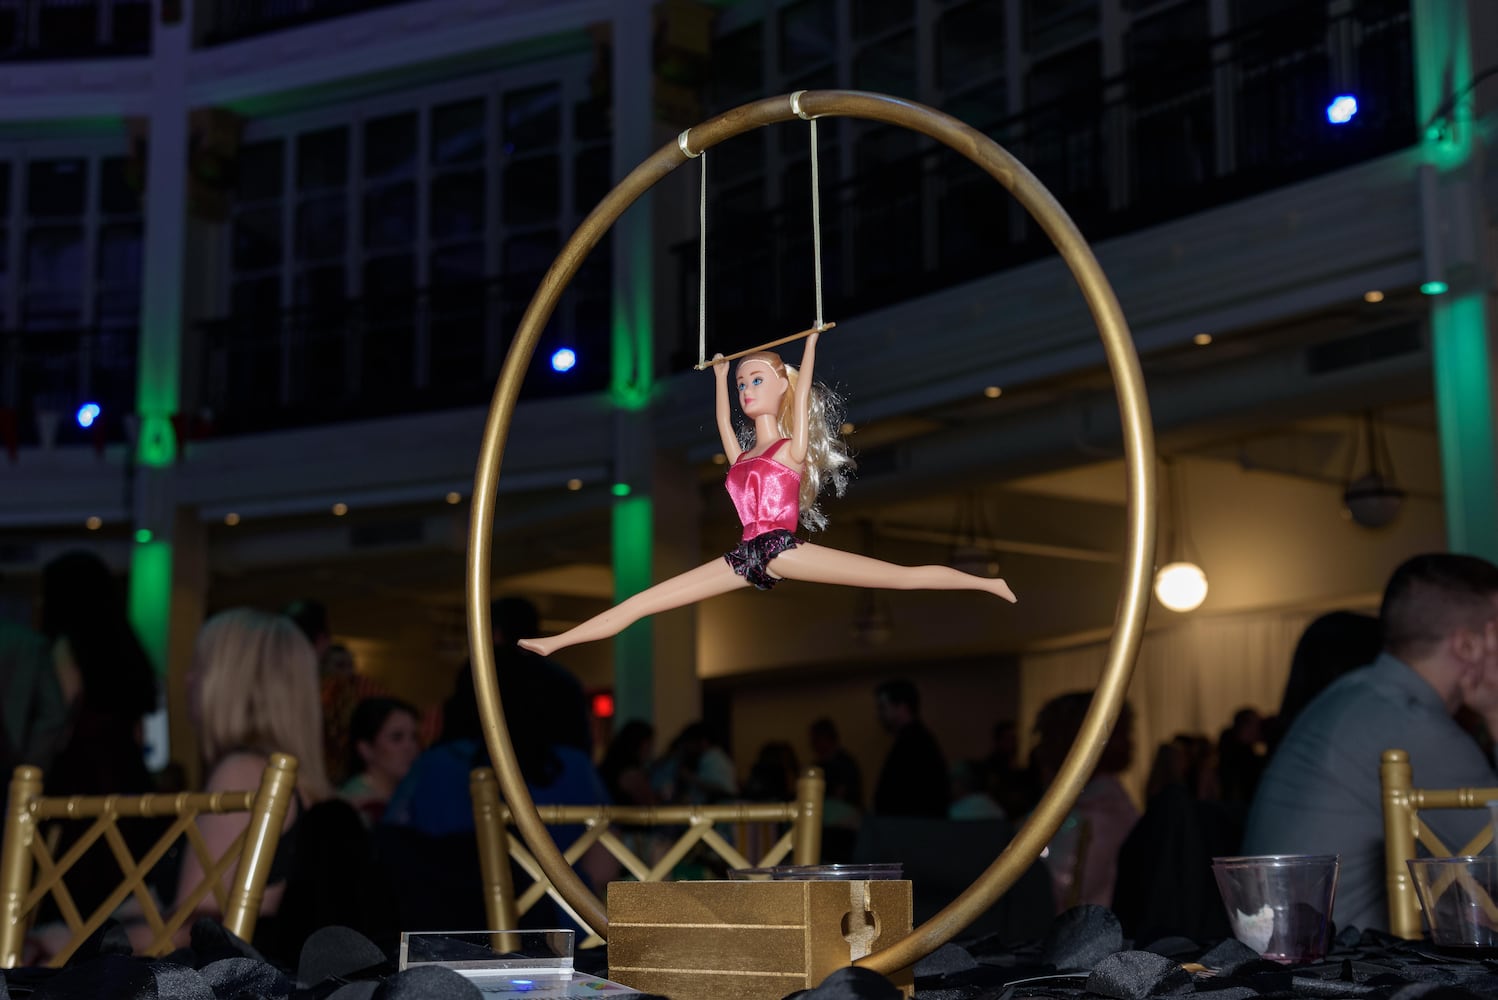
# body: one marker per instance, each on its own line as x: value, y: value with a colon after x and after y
x: 749, y: 940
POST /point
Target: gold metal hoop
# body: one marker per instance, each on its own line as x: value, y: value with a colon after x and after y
x: 1139, y: 451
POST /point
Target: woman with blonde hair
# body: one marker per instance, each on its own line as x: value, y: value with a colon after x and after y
x: 252, y: 692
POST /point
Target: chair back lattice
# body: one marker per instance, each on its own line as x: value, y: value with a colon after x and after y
x: 1403, y: 831
x: 30, y: 870
x: 802, y: 842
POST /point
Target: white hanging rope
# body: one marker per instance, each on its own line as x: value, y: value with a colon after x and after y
x: 816, y: 246
x: 816, y: 206
x: 686, y: 148
x: 702, y: 265
x: 816, y: 223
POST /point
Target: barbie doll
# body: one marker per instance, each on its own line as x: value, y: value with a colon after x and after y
x: 774, y: 477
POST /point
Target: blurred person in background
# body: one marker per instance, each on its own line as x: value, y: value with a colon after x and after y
x: 625, y: 770
x: 842, y: 804
x: 252, y: 691
x: 1104, y: 813
x: 914, y: 780
x: 383, y: 744
x: 107, y: 686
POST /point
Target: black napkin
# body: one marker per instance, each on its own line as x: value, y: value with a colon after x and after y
x: 1134, y: 975
x: 1082, y: 937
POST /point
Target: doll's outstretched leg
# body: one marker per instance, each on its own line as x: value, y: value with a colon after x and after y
x: 819, y: 564
x: 707, y: 580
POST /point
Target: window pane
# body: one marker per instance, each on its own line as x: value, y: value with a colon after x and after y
x: 887, y: 67
x: 390, y: 216
x: 54, y: 273
x: 56, y: 187
x: 131, y: 22
x: 257, y: 238
x: 120, y: 254
x: 824, y: 78
x: 4, y: 190
x: 873, y: 16
x: 590, y: 119
x: 590, y: 177
x: 54, y: 258
x: 458, y: 133
x: 118, y: 194
x: 119, y: 308
x: 738, y: 66
x: 389, y: 275
x: 1049, y: 23
x: 257, y: 296
x: 4, y: 275
x: 530, y: 254
x: 970, y: 43
x: 982, y: 108
x: 1171, y: 38
x: 390, y: 146
x: 321, y: 227
x: 259, y: 171
x: 322, y: 159
x: 807, y: 34
x: 319, y: 286
x: 458, y: 205
x: 532, y: 117
x: 881, y: 145
x: 460, y: 264
x: 1073, y: 74
x: 532, y: 190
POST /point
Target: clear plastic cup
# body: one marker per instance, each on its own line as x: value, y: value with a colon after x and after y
x: 1457, y: 896
x: 814, y: 873
x: 1280, y: 905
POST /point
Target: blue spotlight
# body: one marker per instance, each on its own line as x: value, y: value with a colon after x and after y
x: 563, y: 359
x: 87, y: 414
x: 1342, y: 109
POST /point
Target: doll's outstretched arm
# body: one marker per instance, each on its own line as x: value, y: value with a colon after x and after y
x: 801, y: 433
x: 725, y: 417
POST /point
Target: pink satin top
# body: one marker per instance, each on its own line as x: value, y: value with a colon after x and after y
x: 766, y: 494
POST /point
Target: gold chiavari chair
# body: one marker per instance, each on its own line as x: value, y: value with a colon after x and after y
x: 1404, y: 830
x: 802, y: 842
x: 29, y: 871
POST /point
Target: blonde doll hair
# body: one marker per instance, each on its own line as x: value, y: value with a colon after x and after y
x: 256, y: 690
x: 828, y: 460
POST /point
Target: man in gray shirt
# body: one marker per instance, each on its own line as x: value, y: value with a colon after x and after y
x: 1320, y: 793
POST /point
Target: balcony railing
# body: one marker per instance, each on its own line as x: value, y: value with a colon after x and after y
x: 232, y: 20
x: 74, y: 29
x: 1138, y: 150
x: 433, y: 348
x: 46, y: 375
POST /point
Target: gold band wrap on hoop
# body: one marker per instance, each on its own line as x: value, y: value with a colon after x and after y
x: 1139, y: 449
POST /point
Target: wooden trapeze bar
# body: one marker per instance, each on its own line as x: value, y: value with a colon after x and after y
x: 701, y: 365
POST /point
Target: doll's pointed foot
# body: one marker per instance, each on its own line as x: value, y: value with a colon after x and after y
x: 1002, y: 589
x: 541, y: 647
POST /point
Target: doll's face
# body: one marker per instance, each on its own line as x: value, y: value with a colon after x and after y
x: 759, y: 388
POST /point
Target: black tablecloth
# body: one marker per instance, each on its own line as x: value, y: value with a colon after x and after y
x: 1084, y: 956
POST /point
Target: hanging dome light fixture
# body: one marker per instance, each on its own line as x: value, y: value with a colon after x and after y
x: 1180, y: 584
x: 1372, y: 499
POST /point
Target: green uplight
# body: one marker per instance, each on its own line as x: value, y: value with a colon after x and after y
x: 634, y: 546
x: 158, y: 441
x: 143, y: 535
x: 621, y: 489
x: 1434, y: 288
x: 151, y: 597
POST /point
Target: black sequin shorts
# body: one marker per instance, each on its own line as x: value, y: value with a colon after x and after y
x: 751, y: 558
